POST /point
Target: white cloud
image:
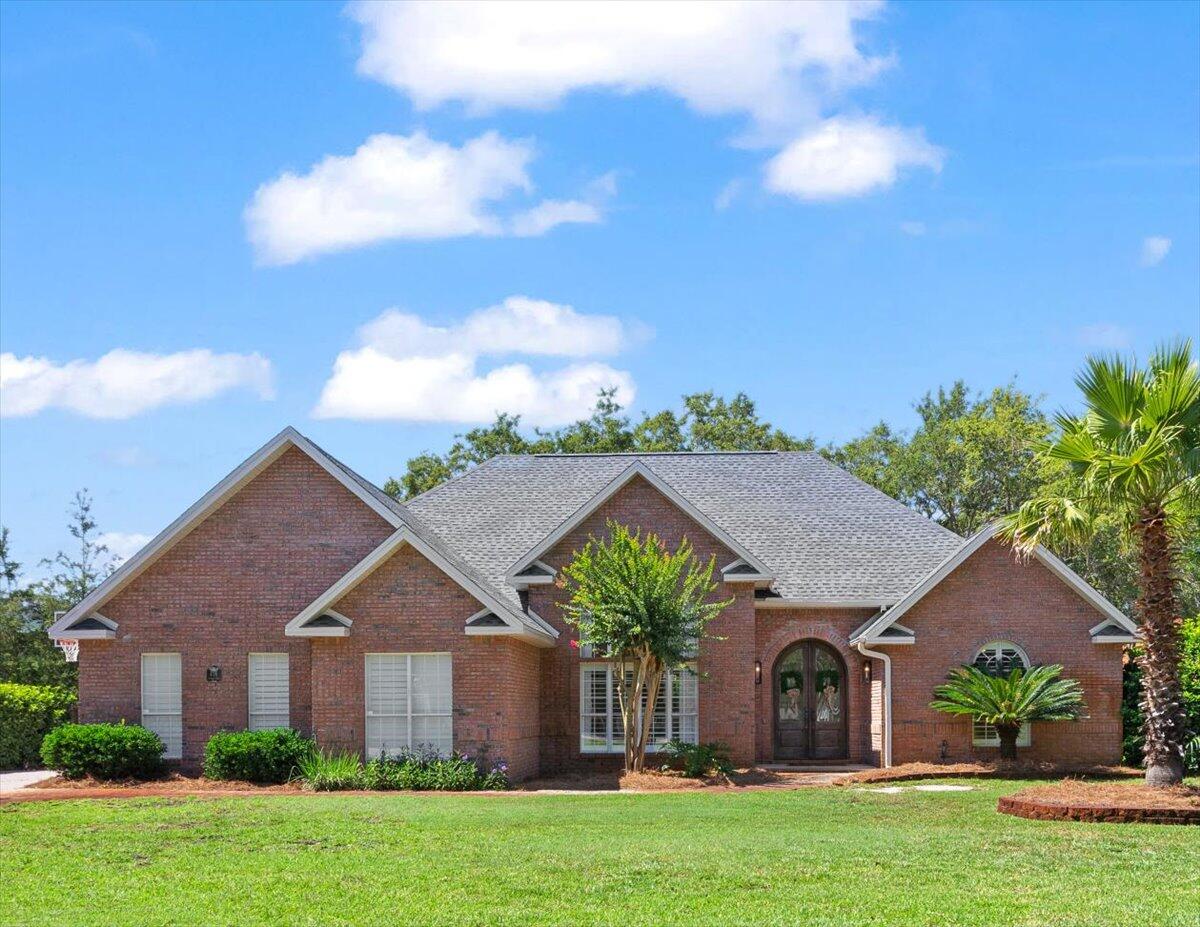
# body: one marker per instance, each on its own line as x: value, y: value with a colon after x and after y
x: 776, y: 62
x: 407, y: 369
x: 848, y: 157
x: 551, y: 213
x: 122, y: 545
x: 123, y: 383
x: 1104, y: 335
x: 729, y: 194
x: 1154, y: 249
x: 916, y: 229
x: 397, y: 186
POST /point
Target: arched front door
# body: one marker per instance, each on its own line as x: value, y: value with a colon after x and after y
x: 809, y: 683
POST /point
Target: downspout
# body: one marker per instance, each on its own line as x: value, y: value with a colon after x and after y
x: 887, y: 699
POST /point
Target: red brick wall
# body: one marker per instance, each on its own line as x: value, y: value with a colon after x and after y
x: 993, y: 597
x: 227, y: 589
x: 408, y: 605
x: 726, y: 689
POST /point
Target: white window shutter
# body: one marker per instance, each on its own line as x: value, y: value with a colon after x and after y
x: 162, y: 700
x: 601, y: 727
x: 268, y: 698
x: 409, y: 701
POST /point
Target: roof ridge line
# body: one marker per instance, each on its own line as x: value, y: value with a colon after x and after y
x: 649, y: 454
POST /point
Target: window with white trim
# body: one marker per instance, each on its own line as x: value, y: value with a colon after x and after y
x: 999, y: 658
x: 601, y: 728
x: 162, y: 701
x: 409, y: 702
x: 267, y: 700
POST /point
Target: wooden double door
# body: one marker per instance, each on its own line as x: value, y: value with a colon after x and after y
x: 810, y: 706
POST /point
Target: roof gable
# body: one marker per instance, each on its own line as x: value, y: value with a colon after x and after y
x: 516, y: 573
x: 827, y: 537
x: 225, y: 490
x: 526, y: 626
x: 874, y: 632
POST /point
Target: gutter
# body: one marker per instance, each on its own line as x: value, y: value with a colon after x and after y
x: 887, y: 699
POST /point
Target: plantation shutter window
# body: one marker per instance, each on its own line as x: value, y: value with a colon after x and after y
x: 999, y: 658
x: 409, y: 702
x: 268, y: 699
x: 601, y: 727
x: 162, y: 701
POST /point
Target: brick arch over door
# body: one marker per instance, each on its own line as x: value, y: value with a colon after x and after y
x: 789, y: 628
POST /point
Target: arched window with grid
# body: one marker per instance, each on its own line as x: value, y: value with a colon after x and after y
x: 999, y: 658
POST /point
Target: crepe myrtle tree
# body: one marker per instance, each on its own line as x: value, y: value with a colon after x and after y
x: 1007, y: 702
x: 646, y: 609
x: 1133, y: 452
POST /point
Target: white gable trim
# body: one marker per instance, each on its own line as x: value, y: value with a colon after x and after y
x: 637, y: 468
x: 212, y: 500
x: 343, y: 631
x: 108, y: 633
x: 1113, y: 637
x: 373, y: 560
x: 951, y: 563
x: 755, y: 577
x: 523, y: 582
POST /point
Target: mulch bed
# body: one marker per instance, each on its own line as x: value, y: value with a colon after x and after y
x: 171, y: 783
x: 750, y: 778
x: 1105, y: 802
x: 910, y: 771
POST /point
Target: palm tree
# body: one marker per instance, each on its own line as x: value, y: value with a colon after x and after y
x: 1008, y: 702
x: 1135, y: 452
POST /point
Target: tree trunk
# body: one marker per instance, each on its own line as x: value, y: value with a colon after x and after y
x: 644, y: 688
x: 1162, y: 702
x: 1008, y: 734
x: 653, y: 683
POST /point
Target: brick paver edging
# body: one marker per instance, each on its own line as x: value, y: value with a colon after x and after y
x: 1095, y: 813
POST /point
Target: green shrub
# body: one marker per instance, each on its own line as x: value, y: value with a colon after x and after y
x: 426, y: 771
x: 268, y: 757
x: 331, y: 772
x: 1191, y: 755
x: 698, y: 760
x: 27, y: 714
x: 104, y: 751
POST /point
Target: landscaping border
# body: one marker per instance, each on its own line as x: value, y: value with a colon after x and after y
x: 1094, y: 813
x: 912, y: 772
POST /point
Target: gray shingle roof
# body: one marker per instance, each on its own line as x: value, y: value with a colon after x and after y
x: 823, y: 533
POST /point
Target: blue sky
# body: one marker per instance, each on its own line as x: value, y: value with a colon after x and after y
x: 833, y: 209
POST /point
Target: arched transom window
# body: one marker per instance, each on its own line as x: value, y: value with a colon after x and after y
x: 999, y: 658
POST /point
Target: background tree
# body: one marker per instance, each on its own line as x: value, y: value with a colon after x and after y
x: 1007, y: 702
x: 708, y: 423
x: 646, y: 609
x: 1134, y: 451
x: 27, y: 654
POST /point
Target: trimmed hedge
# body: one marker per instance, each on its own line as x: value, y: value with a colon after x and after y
x: 267, y: 757
x: 103, y: 751
x: 27, y: 714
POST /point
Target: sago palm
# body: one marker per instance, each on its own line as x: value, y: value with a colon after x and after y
x: 1134, y: 452
x: 1008, y: 701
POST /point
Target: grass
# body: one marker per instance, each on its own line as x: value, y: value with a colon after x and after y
x: 817, y: 857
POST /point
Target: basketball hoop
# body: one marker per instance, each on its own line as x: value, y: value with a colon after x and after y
x: 70, y: 649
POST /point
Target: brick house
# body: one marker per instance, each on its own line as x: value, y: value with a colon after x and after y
x: 297, y: 593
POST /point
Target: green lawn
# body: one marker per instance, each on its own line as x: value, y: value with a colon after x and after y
x: 813, y: 857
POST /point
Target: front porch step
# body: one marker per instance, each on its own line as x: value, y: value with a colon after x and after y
x: 815, y: 767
